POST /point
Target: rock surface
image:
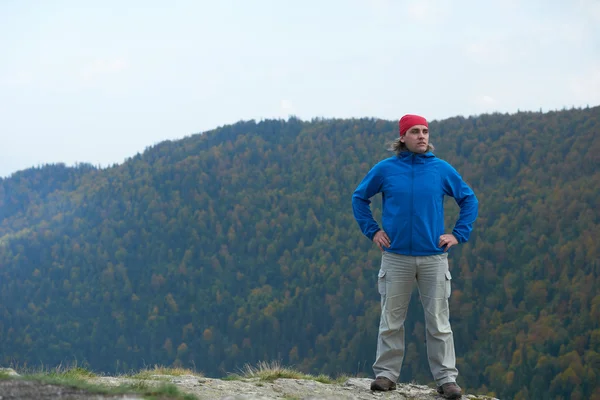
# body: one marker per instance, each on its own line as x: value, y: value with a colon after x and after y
x: 255, y: 389
x: 217, y: 389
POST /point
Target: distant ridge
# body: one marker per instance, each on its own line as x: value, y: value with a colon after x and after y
x: 239, y: 245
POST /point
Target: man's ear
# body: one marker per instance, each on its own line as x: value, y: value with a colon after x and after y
x: 402, y: 138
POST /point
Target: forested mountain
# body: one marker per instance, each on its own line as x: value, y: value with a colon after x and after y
x: 239, y: 245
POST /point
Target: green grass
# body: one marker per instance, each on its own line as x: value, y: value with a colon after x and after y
x: 75, y: 373
x: 159, y: 370
x: 270, y: 371
x: 78, y: 377
x: 145, y: 380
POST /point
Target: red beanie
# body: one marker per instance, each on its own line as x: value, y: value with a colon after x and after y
x: 409, y: 121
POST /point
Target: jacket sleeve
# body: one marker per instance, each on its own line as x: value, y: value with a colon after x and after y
x: 455, y: 187
x: 361, y: 203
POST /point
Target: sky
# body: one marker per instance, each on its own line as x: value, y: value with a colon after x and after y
x: 100, y: 81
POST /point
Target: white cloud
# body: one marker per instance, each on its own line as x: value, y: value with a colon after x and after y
x: 591, y: 9
x: 19, y: 79
x: 487, y: 99
x: 476, y: 50
x: 379, y: 4
x: 287, y: 108
x: 103, y: 67
x: 586, y: 87
x: 429, y: 10
x: 485, y: 52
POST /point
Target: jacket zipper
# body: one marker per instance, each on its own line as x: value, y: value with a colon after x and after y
x: 412, y: 200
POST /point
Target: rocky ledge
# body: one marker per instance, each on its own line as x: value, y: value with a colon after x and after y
x: 257, y: 389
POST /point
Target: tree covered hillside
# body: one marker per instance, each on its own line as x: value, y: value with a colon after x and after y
x: 239, y: 245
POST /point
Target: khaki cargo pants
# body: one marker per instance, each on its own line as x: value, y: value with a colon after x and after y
x: 396, y: 281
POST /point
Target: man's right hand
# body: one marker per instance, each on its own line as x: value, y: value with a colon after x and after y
x: 381, y: 239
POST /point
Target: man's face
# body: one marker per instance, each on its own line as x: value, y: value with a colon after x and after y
x: 416, y: 139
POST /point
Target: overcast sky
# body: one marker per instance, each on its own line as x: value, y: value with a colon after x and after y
x: 99, y: 81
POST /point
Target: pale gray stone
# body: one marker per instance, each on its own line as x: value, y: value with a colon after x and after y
x: 250, y: 388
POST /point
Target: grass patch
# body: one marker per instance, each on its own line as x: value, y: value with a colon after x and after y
x: 270, y: 371
x: 79, y: 383
x: 168, y: 391
x: 144, y: 382
x: 158, y: 370
x: 341, y: 379
x: 75, y: 373
x: 78, y: 378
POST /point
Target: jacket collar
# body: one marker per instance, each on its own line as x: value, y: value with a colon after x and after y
x: 406, y: 154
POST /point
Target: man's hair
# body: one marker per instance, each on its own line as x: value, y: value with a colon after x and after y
x: 398, y: 147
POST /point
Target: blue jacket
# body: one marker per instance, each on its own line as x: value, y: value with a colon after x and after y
x: 413, y: 188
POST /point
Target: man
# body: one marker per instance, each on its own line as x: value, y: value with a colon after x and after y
x: 413, y: 184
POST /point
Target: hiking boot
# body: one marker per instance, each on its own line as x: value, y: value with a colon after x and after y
x: 450, y: 390
x: 383, y: 384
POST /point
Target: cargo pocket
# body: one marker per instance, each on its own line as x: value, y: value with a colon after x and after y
x: 448, y: 286
x: 381, y: 282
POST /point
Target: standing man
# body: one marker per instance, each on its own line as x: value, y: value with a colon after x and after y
x: 415, y: 246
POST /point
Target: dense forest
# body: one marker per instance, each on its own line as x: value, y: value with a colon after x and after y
x: 239, y: 245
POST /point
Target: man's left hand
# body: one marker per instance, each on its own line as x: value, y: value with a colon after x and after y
x: 448, y: 240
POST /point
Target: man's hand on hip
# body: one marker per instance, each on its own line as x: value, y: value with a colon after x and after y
x: 447, y: 240
x: 381, y: 239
